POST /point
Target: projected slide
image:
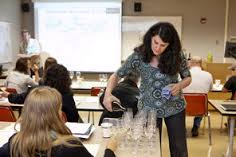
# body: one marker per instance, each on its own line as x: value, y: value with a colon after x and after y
x: 84, y: 36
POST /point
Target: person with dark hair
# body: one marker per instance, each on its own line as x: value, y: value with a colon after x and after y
x: 230, y: 84
x: 127, y: 92
x: 49, y: 61
x: 56, y: 77
x: 47, y: 136
x: 160, y: 62
x: 19, y: 78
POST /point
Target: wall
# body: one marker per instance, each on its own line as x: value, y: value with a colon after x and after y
x: 28, y: 18
x: 232, y: 21
x: 197, y: 38
x: 10, y: 12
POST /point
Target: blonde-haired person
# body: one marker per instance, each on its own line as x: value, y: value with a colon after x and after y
x: 43, y: 132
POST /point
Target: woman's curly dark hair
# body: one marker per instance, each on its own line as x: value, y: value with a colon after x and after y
x: 170, y: 59
x: 57, y: 76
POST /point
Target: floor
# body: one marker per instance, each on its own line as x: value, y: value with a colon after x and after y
x: 197, y: 146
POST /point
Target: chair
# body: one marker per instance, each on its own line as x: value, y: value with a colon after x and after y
x: 197, y: 105
x: 95, y: 91
x: 6, y: 114
x: 11, y: 90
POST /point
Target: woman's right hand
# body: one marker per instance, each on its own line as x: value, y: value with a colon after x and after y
x: 107, y: 101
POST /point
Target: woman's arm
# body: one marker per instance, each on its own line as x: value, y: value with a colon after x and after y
x: 36, y: 72
x: 108, y: 97
x: 176, y: 88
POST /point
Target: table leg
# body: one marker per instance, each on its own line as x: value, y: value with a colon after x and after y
x: 231, y: 137
x: 88, y: 116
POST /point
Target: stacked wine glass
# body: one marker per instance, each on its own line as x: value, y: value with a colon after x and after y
x: 138, y: 135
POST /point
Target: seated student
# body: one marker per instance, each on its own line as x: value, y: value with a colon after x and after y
x: 34, y: 63
x: 20, y: 78
x: 48, y: 135
x: 230, y: 84
x: 57, y: 77
x: 202, y: 82
x: 127, y: 92
x: 49, y: 61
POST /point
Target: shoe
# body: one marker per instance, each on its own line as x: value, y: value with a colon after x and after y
x: 194, y: 131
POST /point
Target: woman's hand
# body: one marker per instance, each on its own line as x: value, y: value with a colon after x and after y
x: 35, y: 68
x: 176, y: 88
x: 4, y: 93
x: 107, y: 101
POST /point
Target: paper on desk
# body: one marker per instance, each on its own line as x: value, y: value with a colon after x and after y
x: 3, y: 100
x: 82, y: 130
x: 5, y: 135
x: 92, y: 148
x: 217, y: 87
x: 11, y: 127
x: 86, y: 136
x: 79, y: 99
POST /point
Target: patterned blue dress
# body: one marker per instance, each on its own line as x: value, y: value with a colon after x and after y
x: 152, y: 84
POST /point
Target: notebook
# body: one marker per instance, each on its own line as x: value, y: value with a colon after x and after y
x: 229, y: 107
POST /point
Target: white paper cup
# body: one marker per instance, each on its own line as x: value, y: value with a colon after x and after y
x: 217, y: 82
x: 106, y: 127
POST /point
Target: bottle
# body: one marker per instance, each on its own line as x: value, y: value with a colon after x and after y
x: 209, y: 57
x: 189, y: 56
x: 185, y: 55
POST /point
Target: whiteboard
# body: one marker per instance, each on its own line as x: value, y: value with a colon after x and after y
x: 5, y: 43
x: 134, y: 27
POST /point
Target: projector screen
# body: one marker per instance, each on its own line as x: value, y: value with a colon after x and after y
x: 84, y: 36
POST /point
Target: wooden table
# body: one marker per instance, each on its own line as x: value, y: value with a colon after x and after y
x: 232, y: 114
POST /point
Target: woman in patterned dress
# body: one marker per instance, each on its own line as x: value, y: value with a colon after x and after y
x: 161, y: 63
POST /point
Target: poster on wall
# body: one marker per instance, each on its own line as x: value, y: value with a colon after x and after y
x: 5, y: 43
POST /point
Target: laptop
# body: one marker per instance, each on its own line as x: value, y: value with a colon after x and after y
x: 229, y: 107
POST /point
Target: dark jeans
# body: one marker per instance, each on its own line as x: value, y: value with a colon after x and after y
x: 177, y: 134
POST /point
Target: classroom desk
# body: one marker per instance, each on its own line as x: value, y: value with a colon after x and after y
x: 83, y: 86
x: 87, y: 85
x: 95, y: 138
x: 88, y: 103
x: 83, y: 103
x: 218, y: 95
x: 217, y: 105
